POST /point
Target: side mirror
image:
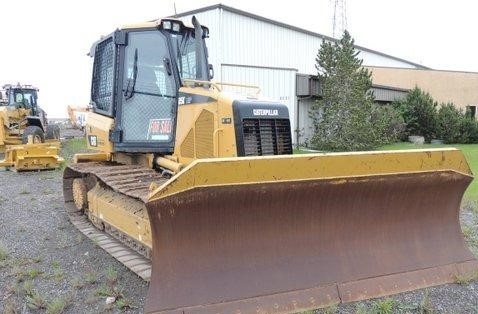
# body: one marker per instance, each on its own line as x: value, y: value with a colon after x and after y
x: 210, y: 71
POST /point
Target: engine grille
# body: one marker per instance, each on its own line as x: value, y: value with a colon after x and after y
x: 266, y: 137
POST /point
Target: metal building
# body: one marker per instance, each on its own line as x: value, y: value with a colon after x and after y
x: 279, y: 58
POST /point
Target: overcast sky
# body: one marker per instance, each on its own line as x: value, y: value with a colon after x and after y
x: 44, y: 43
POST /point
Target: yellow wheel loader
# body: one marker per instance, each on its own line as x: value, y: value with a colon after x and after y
x: 202, y: 186
x: 26, y: 139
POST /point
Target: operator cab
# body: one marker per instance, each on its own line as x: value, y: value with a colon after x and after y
x: 137, y: 73
x: 23, y: 96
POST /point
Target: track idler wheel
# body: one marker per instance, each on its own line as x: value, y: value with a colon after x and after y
x: 80, y: 194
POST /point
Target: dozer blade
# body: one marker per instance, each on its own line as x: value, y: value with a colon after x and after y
x: 27, y: 157
x: 289, y: 233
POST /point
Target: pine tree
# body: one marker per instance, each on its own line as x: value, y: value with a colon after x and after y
x: 344, y: 116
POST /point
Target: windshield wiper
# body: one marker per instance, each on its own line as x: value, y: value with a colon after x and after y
x: 129, y: 92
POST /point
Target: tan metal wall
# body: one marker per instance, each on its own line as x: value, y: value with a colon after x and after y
x: 461, y: 88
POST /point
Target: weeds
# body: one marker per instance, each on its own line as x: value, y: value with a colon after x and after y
x: 58, y: 305
x: 90, y: 277
x: 124, y: 303
x: 48, y: 191
x: 467, y: 231
x: 330, y: 310
x: 35, y: 301
x: 37, y: 259
x: 424, y: 307
x: 28, y: 288
x: 384, y: 306
x: 111, y: 275
x: 361, y: 309
x: 24, y: 192
x: 104, y: 291
x: 3, y: 253
x: 464, y: 279
x: 70, y: 147
x: 79, y: 238
x: 58, y: 272
x: 10, y: 307
x: 33, y: 273
x: 77, y: 283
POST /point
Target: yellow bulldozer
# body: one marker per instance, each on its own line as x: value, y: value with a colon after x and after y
x: 77, y: 116
x: 199, y: 192
x: 27, y: 141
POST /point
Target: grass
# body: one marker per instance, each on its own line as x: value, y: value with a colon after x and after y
x: 424, y: 307
x: 33, y: 273
x: 90, y: 277
x: 111, y: 275
x: 58, y: 305
x: 3, y: 253
x: 58, y: 272
x: 385, y: 306
x: 469, y: 150
x: 24, y: 192
x: 35, y: 301
x: 465, y: 279
x: 70, y: 147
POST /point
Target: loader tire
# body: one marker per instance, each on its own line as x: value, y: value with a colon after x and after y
x: 52, y: 132
x: 36, y: 132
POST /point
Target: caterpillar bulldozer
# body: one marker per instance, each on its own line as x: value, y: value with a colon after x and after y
x: 27, y: 141
x: 197, y: 190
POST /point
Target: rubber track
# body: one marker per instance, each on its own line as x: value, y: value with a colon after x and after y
x: 130, y: 180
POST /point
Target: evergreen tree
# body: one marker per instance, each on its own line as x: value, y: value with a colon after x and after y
x: 419, y: 111
x: 344, y: 116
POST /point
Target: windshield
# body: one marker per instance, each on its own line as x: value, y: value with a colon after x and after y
x: 184, y: 47
x: 27, y: 97
x: 149, y: 89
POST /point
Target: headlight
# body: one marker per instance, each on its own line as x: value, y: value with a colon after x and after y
x: 167, y: 25
x: 176, y: 27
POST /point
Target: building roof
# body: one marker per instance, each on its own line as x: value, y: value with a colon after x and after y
x: 291, y: 27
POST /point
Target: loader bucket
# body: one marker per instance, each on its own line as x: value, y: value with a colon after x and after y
x: 284, y: 234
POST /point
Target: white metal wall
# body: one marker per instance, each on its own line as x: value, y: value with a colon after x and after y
x: 239, y: 39
x: 275, y: 84
x: 246, y: 50
x: 306, y: 125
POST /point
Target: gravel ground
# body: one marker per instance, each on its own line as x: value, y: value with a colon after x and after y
x: 47, y: 266
x: 51, y: 267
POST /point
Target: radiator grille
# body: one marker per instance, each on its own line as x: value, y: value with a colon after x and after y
x: 266, y: 137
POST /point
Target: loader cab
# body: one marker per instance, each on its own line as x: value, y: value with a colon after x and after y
x: 137, y: 73
x: 3, y: 98
x: 23, y: 97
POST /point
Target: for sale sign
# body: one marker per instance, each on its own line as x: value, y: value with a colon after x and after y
x: 160, y: 129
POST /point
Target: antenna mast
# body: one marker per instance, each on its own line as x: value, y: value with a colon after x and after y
x: 340, y: 18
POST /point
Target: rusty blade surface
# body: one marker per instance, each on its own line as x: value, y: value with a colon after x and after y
x: 288, y: 246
